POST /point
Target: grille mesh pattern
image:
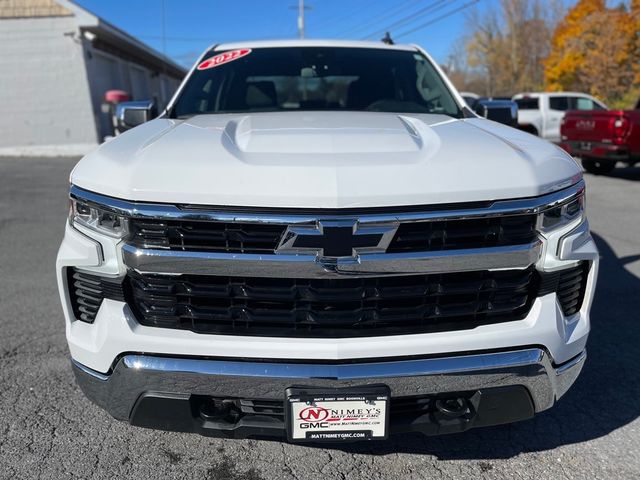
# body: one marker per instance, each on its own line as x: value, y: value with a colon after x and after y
x: 331, y: 307
x: 459, y: 234
x: 206, y: 236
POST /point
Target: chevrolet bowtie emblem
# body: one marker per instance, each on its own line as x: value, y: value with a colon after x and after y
x: 336, y: 238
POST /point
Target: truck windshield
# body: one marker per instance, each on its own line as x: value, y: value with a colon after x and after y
x: 315, y: 78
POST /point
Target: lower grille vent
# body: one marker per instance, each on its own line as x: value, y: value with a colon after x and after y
x: 232, y: 409
x: 569, y: 285
x: 87, y: 292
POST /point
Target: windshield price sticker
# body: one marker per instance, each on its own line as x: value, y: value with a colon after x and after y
x: 223, y: 58
x: 338, y: 418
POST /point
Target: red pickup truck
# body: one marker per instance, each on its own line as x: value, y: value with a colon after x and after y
x: 601, y: 138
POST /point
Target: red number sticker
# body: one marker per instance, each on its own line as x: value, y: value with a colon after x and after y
x: 225, y: 57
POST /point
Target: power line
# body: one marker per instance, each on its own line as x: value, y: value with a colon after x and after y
x: 377, y: 19
x: 176, y: 39
x: 433, y: 6
x: 209, y: 40
x: 437, y: 19
x: 164, y: 29
x: 349, y: 13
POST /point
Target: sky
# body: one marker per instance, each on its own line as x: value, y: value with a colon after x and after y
x: 191, y: 26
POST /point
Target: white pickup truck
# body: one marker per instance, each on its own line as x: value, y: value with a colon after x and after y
x: 319, y: 241
x: 541, y: 113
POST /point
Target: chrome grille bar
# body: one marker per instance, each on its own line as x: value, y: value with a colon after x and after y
x: 310, y: 266
x: 168, y: 211
x: 150, y: 259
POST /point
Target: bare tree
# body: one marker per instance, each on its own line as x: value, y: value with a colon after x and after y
x: 508, y: 45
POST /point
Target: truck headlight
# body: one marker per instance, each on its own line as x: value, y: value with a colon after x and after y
x: 97, y: 219
x: 557, y: 217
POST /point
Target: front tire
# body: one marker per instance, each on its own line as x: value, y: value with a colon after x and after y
x: 598, y: 167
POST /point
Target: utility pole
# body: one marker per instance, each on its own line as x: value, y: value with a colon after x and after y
x: 301, y: 18
x: 301, y: 9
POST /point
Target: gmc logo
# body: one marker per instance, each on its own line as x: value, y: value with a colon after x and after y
x: 311, y: 425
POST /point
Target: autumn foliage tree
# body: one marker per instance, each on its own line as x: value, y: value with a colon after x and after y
x: 507, y: 45
x: 595, y: 49
x: 529, y: 45
x: 635, y: 48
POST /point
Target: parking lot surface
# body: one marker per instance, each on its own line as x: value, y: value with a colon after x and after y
x: 49, y: 430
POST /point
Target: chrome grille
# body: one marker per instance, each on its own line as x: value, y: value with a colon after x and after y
x: 432, y: 268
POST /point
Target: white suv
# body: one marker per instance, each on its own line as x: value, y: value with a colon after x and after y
x: 320, y: 241
x: 541, y: 113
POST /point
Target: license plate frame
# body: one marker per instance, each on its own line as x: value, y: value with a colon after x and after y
x: 337, y: 424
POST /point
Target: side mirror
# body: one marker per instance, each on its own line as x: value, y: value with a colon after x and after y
x: 132, y: 114
x: 503, y: 111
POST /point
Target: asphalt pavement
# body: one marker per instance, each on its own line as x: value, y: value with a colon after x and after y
x: 48, y: 429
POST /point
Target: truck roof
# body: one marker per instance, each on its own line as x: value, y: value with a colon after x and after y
x: 311, y: 43
x: 549, y: 94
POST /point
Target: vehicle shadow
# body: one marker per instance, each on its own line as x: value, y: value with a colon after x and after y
x: 603, y: 399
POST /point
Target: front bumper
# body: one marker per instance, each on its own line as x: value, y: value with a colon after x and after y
x: 171, y: 386
x: 169, y: 393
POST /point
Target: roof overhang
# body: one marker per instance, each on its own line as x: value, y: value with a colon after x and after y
x: 113, y: 38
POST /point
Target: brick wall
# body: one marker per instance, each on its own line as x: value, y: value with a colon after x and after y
x: 31, y: 8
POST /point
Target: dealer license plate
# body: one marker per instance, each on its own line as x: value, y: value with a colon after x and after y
x: 315, y: 415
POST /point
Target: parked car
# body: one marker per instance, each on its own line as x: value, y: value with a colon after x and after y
x: 502, y: 111
x: 541, y: 113
x: 498, y: 109
x: 602, y: 138
x: 318, y: 240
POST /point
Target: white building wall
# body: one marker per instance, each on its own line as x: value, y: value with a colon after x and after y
x: 105, y: 72
x: 44, y: 93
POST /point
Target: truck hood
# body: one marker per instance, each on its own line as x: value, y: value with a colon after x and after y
x: 324, y: 160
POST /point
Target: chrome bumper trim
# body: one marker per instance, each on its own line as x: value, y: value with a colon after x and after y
x: 404, y: 368
x: 134, y: 375
x: 89, y: 371
x: 310, y: 266
x: 567, y: 366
